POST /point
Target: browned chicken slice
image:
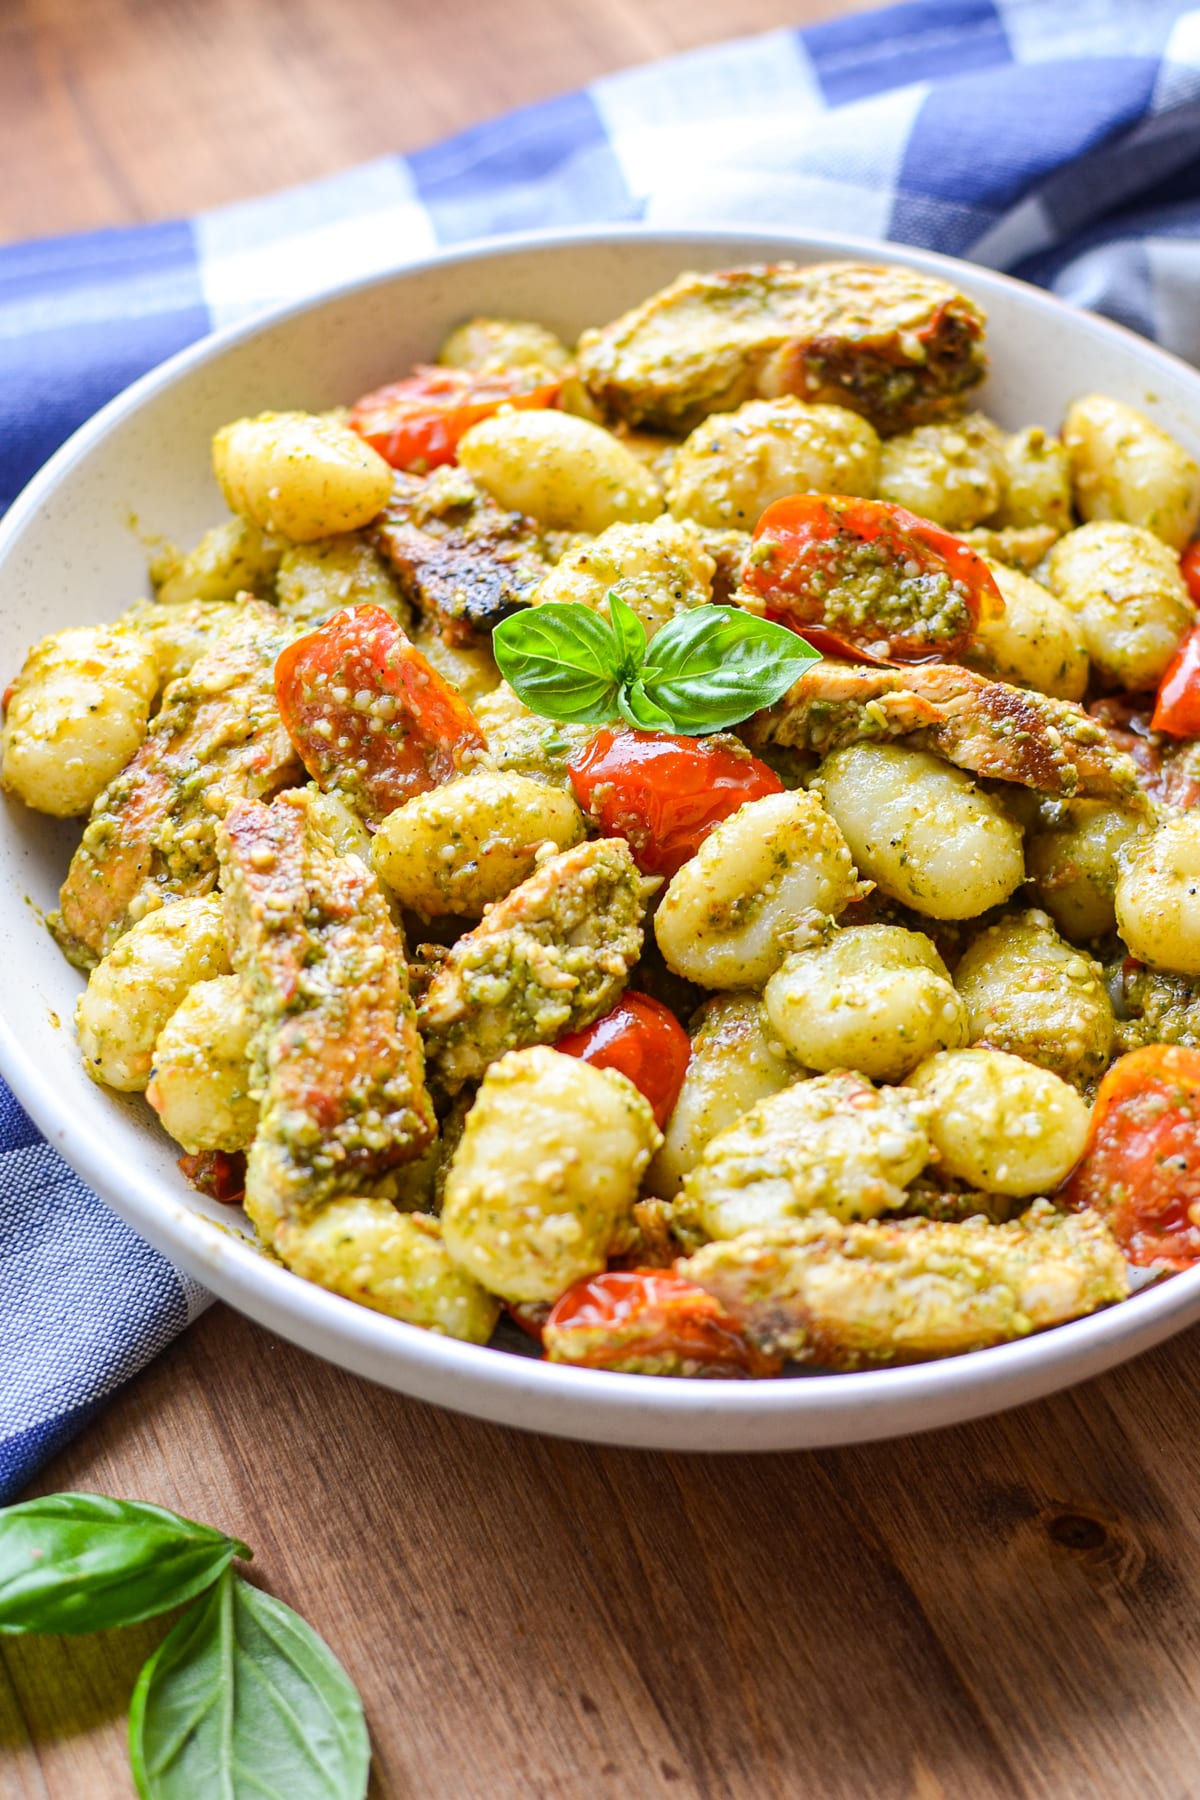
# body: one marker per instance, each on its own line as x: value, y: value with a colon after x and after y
x: 550, y: 957
x: 866, y: 1295
x: 460, y: 559
x: 1001, y: 732
x: 336, y: 1053
x: 895, y: 345
x: 217, y: 738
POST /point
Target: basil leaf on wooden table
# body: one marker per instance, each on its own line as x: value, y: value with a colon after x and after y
x: 562, y: 661
x: 82, y: 1562
x: 243, y: 1698
x: 706, y: 670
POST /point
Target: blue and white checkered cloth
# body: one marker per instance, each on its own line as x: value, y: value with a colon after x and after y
x: 1060, y: 142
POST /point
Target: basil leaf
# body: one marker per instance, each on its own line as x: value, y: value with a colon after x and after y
x: 82, y: 1562
x: 561, y: 659
x: 715, y: 665
x: 629, y: 635
x: 244, y: 1698
x: 637, y: 709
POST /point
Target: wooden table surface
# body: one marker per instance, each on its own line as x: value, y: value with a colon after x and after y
x: 1008, y: 1609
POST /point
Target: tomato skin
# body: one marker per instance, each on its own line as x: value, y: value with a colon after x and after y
x: 1189, y: 568
x: 650, y: 1322
x: 414, y: 732
x: 641, y: 1039
x: 1177, y: 708
x: 808, y: 547
x: 663, y: 794
x: 1140, y: 1168
x: 417, y: 423
x: 218, y: 1173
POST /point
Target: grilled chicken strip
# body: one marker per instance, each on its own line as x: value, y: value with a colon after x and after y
x: 460, y: 559
x: 1001, y: 732
x: 336, y: 1055
x: 217, y: 738
x: 906, y: 1290
x: 895, y: 345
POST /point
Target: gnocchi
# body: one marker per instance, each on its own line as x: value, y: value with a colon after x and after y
x: 1036, y: 641
x: 1157, y: 897
x: 546, y: 1173
x: 300, y: 474
x: 1029, y: 992
x: 200, y: 1082
x: 458, y: 848
x: 953, y: 474
x: 766, y: 879
x: 732, y: 467
x: 569, y: 474
x: 833, y: 1144
x: 875, y: 998
x: 76, y: 714
x: 658, y: 569
x: 1000, y: 1123
x: 1124, y: 587
x: 133, y: 991
x: 1124, y: 466
x: 735, y: 1062
x: 921, y: 830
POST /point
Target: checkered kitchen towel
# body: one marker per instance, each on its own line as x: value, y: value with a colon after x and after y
x: 1061, y: 142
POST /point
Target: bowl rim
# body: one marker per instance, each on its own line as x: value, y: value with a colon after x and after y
x: 235, y: 1270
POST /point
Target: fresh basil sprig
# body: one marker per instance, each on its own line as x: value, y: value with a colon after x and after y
x: 706, y: 670
x: 242, y: 1699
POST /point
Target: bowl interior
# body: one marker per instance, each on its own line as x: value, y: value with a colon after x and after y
x: 73, y: 550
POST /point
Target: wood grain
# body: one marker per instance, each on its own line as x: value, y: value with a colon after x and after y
x: 1009, y: 1611
x: 118, y: 110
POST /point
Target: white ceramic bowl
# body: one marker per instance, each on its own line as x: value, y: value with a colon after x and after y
x: 69, y: 555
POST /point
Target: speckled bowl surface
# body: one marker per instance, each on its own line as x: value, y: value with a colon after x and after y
x: 70, y: 554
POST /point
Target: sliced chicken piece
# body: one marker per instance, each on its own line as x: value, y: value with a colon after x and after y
x: 895, y: 345
x: 336, y: 1054
x: 1001, y: 732
x: 217, y: 738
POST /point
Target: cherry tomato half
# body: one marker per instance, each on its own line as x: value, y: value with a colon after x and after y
x: 1177, y: 709
x: 649, y: 1322
x: 664, y: 794
x: 1189, y: 568
x: 641, y: 1039
x: 863, y: 579
x: 368, y: 715
x: 417, y: 423
x: 1141, y: 1165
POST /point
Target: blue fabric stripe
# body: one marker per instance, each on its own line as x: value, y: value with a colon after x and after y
x: 544, y: 166
x: 928, y: 40
x: 80, y: 318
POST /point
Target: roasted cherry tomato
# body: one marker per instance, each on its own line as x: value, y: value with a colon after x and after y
x: 416, y: 423
x: 1189, y: 568
x: 1141, y: 1166
x: 664, y: 794
x: 368, y: 715
x: 1177, y: 709
x: 218, y: 1173
x: 641, y: 1039
x: 649, y: 1322
x: 862, y: 579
